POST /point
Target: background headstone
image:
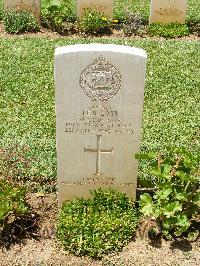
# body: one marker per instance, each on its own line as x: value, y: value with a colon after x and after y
x: 168, y: 11
x: 32, y: 6
x: 104, y: 6
x: 99, y: 103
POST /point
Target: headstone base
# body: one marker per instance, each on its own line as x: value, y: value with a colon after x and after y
x: 83, y: 187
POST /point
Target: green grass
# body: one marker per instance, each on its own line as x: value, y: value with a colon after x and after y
x: 27, y: 103
x: 172, y: 30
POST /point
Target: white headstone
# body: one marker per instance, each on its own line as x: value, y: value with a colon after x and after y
x: 103, y: 6
x: 99, y: 103
x: 168, y: 11
x: 32, y: 6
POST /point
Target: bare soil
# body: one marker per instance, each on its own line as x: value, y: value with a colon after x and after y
x: 42, y: 248
x: 47, y: 33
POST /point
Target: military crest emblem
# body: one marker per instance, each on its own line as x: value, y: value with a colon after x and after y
x: 100, y: 81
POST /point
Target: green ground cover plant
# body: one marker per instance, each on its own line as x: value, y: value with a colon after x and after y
x: 133, y: 25
x: 13, y: 205
x: 94, y: 22
x: 194, y: 27
x: 1, y: 12
x: 59, y: 15
x: 97, y: 226
x: 171, y: 108
x: 176, y: 202
x: 169, y: 30
x: 20, y: 22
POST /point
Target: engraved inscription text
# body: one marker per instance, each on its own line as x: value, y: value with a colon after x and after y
x: 99, y: 120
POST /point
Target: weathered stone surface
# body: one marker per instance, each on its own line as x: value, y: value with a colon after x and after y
x: 104, y: 6
x: 168, y: 11
x: 32, y: 6
x: 99, y: 103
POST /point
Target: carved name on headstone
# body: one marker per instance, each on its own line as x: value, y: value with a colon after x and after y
x: 168, y: 11
x: 103, y: 6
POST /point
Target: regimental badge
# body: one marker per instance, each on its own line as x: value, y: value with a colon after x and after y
x: 100, y: 81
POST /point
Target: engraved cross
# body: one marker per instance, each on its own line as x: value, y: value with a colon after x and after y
x: 98, y: 154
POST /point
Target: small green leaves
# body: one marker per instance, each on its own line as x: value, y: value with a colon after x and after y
x: 183, y: 222
x: 145, y: 156
x: 94, y: 22
x: 192, y: 236
x: 59, y: 15
x: 96, y: 226
x: 183, y: 176
x: 146, y: 205
x: 20, y: 22
x: 164, y: 193
x: 168, y: 30
x: 181, y: 196
x: 12, y: 203
x: 176, y: 200
x: 172, y: 208
x: 197, y: 198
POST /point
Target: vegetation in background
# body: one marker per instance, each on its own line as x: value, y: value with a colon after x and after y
x: 142, y: 7
x: 96, y: 226
x: 13, y: 205
x: 135, y: 6
x: 168, y: 30
x: 93, y: 22
x: 194, y: 27
x: 122, y: 7
x: 134, y: 24
x: 20, y: 22
x: 1, y: 11
x: 59, y: 15
x: 15, y: 163
x: 176, y: 201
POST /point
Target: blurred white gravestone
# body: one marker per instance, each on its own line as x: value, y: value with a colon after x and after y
x: 168, y: 11
x: 103, y: 6
x: 99, y: 104
x: 32, y: 6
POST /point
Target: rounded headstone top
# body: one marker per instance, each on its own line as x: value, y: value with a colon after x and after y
x: 101, y: 48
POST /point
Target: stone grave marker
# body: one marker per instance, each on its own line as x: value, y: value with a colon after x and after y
x: 168, y: 11
x: 32, y: 6
x: 104, y: 6
x: 99, y: 103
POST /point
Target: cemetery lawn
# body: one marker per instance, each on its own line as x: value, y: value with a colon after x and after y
x: 27, y: 137
x: 27, y: 104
